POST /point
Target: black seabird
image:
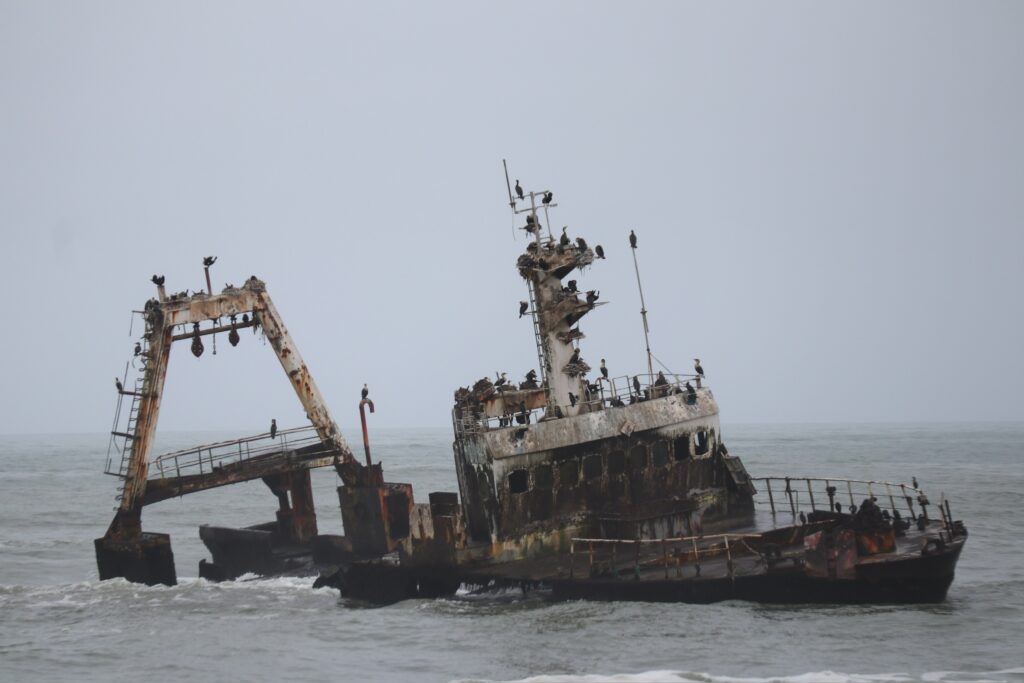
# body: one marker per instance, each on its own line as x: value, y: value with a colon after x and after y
x: 501, y: 379
x: 158, y: 280
x: 697, y: 367
x: 632, y: 239
x: 564, y: 239
x: 138, y: 348
x: 547, y: 198
x: 581, y: 244
x: 120, y: 387
x: 599, y: 250
x: 604, y: 369
x: 523, y: 307
x: 575, y: 356
x: 592, y: 296
x: 209, y: 261
x: 273, y: 429
x: 571, y: 287
x: 572, y: 400
x: 366, y: 391
x: 519, y: 190
x: 636, y: 384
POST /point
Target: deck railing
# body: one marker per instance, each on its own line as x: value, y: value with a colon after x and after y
x: 208, y: 457
x: 608, y: 393
x: 688, y: 549
x: 808, y: 494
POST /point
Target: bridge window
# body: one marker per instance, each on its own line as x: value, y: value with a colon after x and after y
x: 616, y: 462
x: 660, y: 453
x: 542, y: 478
x: 568, y: 473
x: 593, y: 467
x: 682, y: 447
x: 638, y: 457
x: 519, y: 481
x: 701, y: 445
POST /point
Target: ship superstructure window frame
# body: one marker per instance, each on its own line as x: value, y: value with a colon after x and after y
x: 568, y: 473
x: 543, y: 478
x: 701, y: 443
x: 593, y: 467
x: 616, y: 462
x: 660, y: 453
x: 638, y: 457
x: 681, y: 448
x: 518, y: 481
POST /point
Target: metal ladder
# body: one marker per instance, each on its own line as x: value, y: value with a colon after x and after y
x: 122, y: 441
x: 536, y: 331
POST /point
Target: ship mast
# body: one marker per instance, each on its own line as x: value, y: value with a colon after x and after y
x: 554, y: 309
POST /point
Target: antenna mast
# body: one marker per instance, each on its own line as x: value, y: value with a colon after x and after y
x: 643, y: 314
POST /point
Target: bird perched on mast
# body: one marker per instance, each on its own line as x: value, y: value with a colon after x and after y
x: 547, y: 198
x: 632, y: 239
x: 523, y: 306
x: 120, y: 387
x: 366, y: 391
x: 697, y: 367
x: 599, y: 251
x: 209, y: 260
x: 519, y: 190
x: 592, y: 296
x: 501, y: 379
x: 158, y: 280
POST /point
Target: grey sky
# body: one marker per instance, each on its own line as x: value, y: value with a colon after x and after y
x: 828, y: 198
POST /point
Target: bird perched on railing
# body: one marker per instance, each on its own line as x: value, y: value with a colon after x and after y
x: 696, y: 366
x: 636, y: 384
x: 604, y: 370
x: 273, y: 428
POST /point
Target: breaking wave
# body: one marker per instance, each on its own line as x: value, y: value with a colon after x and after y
x: 1015, y: 675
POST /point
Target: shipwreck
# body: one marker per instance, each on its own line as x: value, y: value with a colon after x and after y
x: 571, y: 481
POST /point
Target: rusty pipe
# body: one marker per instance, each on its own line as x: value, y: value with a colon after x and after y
x: 366, y: 436
x: 209, y: 287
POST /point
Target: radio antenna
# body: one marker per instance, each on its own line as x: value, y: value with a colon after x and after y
x: 643, y: 307
x: 511, y: 202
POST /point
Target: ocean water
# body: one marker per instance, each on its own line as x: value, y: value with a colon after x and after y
x: 59, y: 623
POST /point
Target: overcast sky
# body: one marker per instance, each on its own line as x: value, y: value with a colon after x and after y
x: 829, y: 199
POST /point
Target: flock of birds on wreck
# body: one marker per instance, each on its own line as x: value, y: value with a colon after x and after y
x: 501, y: 382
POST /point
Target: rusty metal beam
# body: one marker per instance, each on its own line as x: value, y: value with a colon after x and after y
x: 212, y: 330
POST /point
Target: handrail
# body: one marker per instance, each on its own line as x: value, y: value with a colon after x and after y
x: 621, y: 388
x: 866, y: 488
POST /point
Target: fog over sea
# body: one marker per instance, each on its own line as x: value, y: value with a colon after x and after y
x: 59, y: 623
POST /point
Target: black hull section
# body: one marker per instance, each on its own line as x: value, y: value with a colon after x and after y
x: 924, y: 579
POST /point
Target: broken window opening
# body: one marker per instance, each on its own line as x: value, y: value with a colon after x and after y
x: 616, y: 462
x: 519, y: 481
x: 638, y: 457
x: 701, y: 445
x: 543, y: 480
x: 568, y: 473
x: 682, y: 447
x: 660, y: 453
x: 593, y: 467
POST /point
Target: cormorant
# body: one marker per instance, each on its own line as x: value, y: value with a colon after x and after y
x: 564, y: 239
x: 273, y: 429
x: 138, y: 348
x: 366, y: 391
x: 120, y: 387
x: 604, y: 369
x: 661, y: 381
x: 209, y: 261
x: 519, y: 190
x: 572, y: 400
x: 697, y: 367
x: 581, y: 244
x: 523, y: 307
x: 592, y: 296
x: 913, y: 482
x: 532, y: 375
x: 547, y: 198
x: 245, y: 318
x: 632, y: 239
x: 803, y: 517
x: 501, y: 379
x: 636, y: 384
x: 599, y: 250
x: 158, y: 280
x: 575, y: 356
x: 691, y: 393
x: 617, y: 403
x: 571, y: 287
